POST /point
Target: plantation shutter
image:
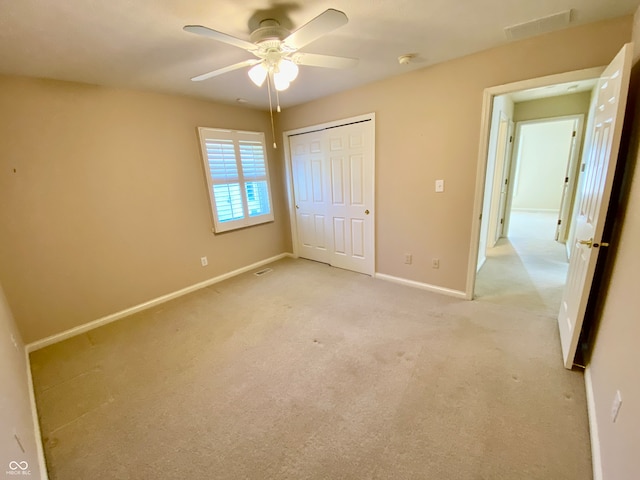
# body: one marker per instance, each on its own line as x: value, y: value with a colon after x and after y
x: 254, y: 170
x: 237, y: 178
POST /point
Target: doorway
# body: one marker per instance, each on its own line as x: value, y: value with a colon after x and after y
x: 586, y: 232
x: 526, y: 103
x: 545, y: 168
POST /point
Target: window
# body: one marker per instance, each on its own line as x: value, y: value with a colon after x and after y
x: 235, y: 165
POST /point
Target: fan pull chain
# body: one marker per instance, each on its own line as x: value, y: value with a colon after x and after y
x: 278, y: 101
x: 273, y: 129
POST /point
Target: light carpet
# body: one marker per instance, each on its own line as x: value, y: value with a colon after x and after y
x: 529, y: 268
x: 312, y: 372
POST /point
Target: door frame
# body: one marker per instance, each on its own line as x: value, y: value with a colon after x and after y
x: 502, y: 164
x: 483, y: 151
x: 572, y: 166
x: 504, y: 210
x: 293, y: 222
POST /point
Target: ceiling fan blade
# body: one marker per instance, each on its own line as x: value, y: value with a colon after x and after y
x: 324, y: 23
x: 221, y: 37
x: 230, y: 68
x: 327, y: 61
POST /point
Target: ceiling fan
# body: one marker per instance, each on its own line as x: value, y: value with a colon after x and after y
x: 277, y: 49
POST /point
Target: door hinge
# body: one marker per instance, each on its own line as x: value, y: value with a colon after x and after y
x: 559, y: 222
x: 566, y: 179
x: 480, y: 216
x: 501, y: 221
x: 511, y: 139
x: 574, y: 133
x: 506, y: 181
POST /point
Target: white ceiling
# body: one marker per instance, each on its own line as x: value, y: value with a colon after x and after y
x: 140, y: 43
x: 553, y: 90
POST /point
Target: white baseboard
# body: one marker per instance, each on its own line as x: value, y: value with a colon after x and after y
x: 72, y: 332
x: 44, y: 475
x: 422, y: 286
x: 593, y: 426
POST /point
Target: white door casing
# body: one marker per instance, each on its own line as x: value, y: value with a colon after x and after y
x: 332, y: 173
x: 601, y: 158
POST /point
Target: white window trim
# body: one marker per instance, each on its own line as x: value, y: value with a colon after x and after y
x: 236, y: 136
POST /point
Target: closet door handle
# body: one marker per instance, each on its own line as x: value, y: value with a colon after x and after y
x: 366, y: 212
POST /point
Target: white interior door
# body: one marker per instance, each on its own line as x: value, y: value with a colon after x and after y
x: 349, y: 150
x: 495, y: 230
x: 504, y: 184
x: 568, y: 187
x: 333, y: 190
x: 310, y: 195
x: 601, y: 157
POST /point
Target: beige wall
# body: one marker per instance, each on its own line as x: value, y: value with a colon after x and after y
x: 574, y: 104
x: 104, y: 204
x: 428, y: 124
x: 15, y: 407
x: 616, y: 355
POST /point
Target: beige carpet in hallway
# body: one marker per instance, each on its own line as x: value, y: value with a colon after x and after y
x: 311, y: 372
x: 529, y: 268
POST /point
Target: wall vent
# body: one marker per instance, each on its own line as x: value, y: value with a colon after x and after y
x: 263, y: 272
x: 539, y: 26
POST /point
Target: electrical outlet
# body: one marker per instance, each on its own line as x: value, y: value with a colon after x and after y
x: 204, y: 261
x: 435, y: 263
x: 408, y: 258
x: 439, y: 186
x: 615, y: 406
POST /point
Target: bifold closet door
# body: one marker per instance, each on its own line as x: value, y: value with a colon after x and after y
x: 333, y: 173
x: 310, y: 195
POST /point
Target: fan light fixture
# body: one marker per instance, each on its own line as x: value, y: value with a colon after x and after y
x: 284, y: 72
x: 277, y: 52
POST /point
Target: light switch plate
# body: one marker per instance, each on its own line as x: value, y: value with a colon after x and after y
x: 439, y: 186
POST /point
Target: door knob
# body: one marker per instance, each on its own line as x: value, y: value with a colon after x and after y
x: 297, y: 206
x: 366, y: 212
x: 588, y: 243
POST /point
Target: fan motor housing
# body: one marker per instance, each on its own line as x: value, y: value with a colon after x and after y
x: 269, y: 30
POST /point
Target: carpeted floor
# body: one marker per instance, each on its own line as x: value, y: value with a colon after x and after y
x: 311, y: 372
x: 529, y: 268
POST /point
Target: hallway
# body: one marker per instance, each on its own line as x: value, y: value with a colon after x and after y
x: 527, y: 269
